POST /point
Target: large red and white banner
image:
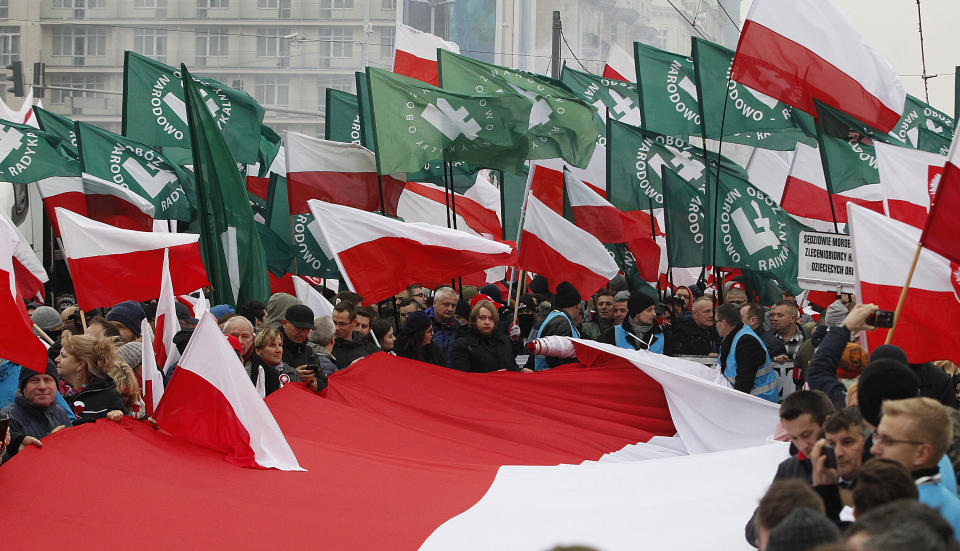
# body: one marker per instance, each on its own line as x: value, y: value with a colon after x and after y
x: 95, y: 198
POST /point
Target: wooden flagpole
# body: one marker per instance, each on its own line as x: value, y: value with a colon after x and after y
x: 43, y: 334
x: 903, y: 294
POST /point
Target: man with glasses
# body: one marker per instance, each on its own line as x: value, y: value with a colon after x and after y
x: 348, y: 345
x: 915, y: 432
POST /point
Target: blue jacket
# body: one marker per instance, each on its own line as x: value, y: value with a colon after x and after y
x: 764, y: 381
x: 623, y: 341
x: 443, y: 335
x: 936, y: 495
x: 556, y: 323
x: 9, y: 385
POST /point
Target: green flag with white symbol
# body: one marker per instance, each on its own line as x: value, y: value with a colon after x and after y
x: 300, y: 251
x: 560, y: 125
x: 229, y: 242
x: 746, y: 116
x: 918, y: 116
x: 342, y: 117
x: 628, y: 265
x: 366, y: 114
x: 59, y: 126
x: 28, y: 155
x: 754, y: 233
x: 686, y: 220
x: 140, y: 169
x: 846, y: 147
x: 415, y: 123
x: 612, y: 98
x: 154, y: 112
x: 932, y: 142
x: 668, y: 92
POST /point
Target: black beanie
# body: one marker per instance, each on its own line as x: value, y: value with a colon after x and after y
x: 538, y: 286
x: 889, y: 352
x: 884, y: 380
x: 26, y: 373
x: 638, y: 302
x: 567, y: 296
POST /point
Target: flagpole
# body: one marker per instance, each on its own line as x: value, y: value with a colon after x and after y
x: 383, y: 207
x: 503, y: 205
x: 516, y: 303
x: 826, y: 170
x: 83, y: 320
x: 523, y: 213
x: 903, y: 294
x: 43, y: 334
x: 653, y: 235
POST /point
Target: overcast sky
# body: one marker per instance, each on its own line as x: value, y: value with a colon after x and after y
x: 890, y: 26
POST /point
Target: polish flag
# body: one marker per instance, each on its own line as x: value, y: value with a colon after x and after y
x: 801, y: 51
x: 311, y: 297
x: 608, y: 224
x: 620, y: 65
x: 341, y: 173
x: 768, y: 170
x: 545, y: 178
x: 805, y: 194
x: 167, y: 324
x: 98, y: 199
x: 109, y: 265
x: 553, y: 247
x: 195, y: 305
x: 27, y: 266
x: 416, y: 53
x: 152, y: 377
x: 211, y: 403
x: 378, y: 256
x: 17, y: 341
x: 940, y: 233
x: 883, y: 250
x: 25, y: 115
x: 909, y: 179
x: 260, y: 186
x: 427, y: 203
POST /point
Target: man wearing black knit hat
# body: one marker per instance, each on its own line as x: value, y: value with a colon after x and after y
x: 639, y: 330
x: 34, y: 412
x: 562, y: 321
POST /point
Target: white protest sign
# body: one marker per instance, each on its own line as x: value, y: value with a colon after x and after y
x: 826, y: 262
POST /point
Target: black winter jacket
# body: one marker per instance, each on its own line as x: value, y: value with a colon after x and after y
x: 478, y: 353
x: 99, y: 397
x: 348, y: 351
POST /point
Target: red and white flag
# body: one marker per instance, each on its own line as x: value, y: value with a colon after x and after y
x: 553, y: 247
x: 620, y: 65
x: 801, y: 51
x: 98, y: 199
x: 940, y: 233
x: 416, y: 53
x: 17, y: 341
x: 313, y: 298
x: 260, y: 186
x: 545, y: 179
x: 909, y: 179
x: 341, y: 173
x: 378, y: 256
x: 210, y: 402
x: 109, y: 265
x: 427, y: 203
x: 166, y: 322
x: 27, y: 266
x: 883, y: 250
x: 806, y: 196
x: 611, y: 225
x: 152, y: 377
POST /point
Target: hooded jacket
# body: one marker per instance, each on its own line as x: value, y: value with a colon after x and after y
x: 277, y: 308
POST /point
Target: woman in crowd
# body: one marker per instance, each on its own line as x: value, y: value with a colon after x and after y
x: 268, y: 359
x: 482, y: 348
x: 89, y: 368
x: 416, y: 340
x: 383, y: 330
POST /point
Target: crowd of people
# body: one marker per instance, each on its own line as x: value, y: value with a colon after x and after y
x: 872, y: 435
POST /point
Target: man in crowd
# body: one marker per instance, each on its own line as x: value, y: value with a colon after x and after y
x: 620, y: 306
x: 782, y: 500
x: 34, y: 412
x: 321, y: 341
x: 603, y: 320
x: 696, y: 336
x: 752, y: 315
x: 445, y: 324
x: 561, y: 321
x: 406, y: 306
x: 348, y: 345
x: 241, y: 328
x: 915, y: 432
x: 126, y: 316
x: 784, y: 323
x: 743, y: 358
x: 639, y: 330
x: 365, y: 317
x: 295, y: 326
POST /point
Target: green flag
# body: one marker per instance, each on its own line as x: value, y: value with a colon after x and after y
x: 612, y: 98
x: 560, y: 125
x: 342, y: 117
x: 366, y: 112
x: 745, y: 115
x: 628, y: 265
x: 59, y: 126
x: 154, y: 112
x: 932, y: 142
x: 687, y: 224
x: 28, y: 155
x: 142, y: 170
x: 753, y: 232
x: 917, y: 116
x: 229, y: 242
x: 423, y: 123
x: 306, y: 254
x: 668, y: 92
x: 275, y: 229
x: 846, y: 147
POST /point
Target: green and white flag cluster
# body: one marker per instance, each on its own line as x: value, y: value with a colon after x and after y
x: 28, y: 155
x: 668, y: 92
x: 612, y: 98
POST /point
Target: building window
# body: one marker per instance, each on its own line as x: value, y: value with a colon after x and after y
x: 345, y: 83
x: 336, y: 42
x: 387, y: 36
x: 271, y: 43
x: 662, y: 39
x: 211, y: 42
x: 78, y: 4
x: 213, y: 4
x: 4, y: 9
x: 89, y: 82
x: 9, y: 45
x: 388, y: 4
x: 336, y: 4
x: 150, y: 3
x: 272, y: 90
x: 79, y: 42
x: 150, y: 42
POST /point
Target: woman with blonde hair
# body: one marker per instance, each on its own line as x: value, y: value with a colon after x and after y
x: 483, y: 348
x: 87, y: 365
